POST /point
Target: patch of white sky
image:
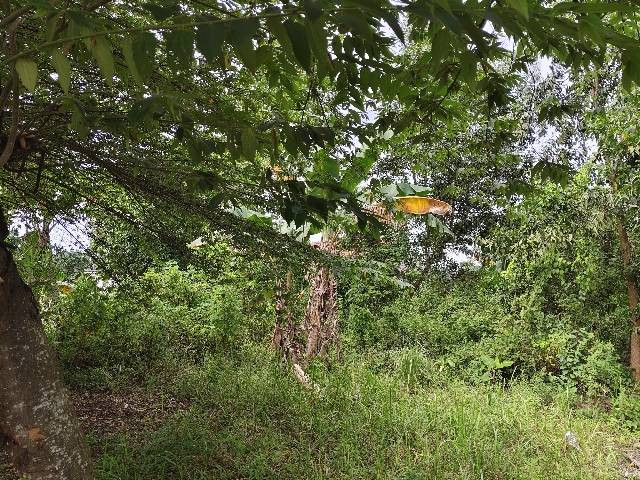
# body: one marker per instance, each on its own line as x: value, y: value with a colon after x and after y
x: 65, y: 234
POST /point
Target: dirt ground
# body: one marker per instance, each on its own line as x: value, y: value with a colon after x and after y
x: 630, y: 464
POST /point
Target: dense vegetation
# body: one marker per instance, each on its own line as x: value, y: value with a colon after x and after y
x: 472, y: 170
x: 469, y: 374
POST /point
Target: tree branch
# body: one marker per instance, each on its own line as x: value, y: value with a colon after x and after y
x: 13, y: 130
x: 160, y: 26
x: 4, y: 96
x: 13, y: 16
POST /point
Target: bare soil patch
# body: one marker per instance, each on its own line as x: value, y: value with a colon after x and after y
x: 105, y: 413
x: 630, y: 463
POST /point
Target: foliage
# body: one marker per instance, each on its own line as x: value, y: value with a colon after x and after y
x: 129, y: 333
x: 249, y: 419
x: 464, y: 326
x: 559, y: 256
x: 203, y: 141
x: 48, y: 271
x: 627, y: 409
x: 445, y: 380
x: 180, y: 112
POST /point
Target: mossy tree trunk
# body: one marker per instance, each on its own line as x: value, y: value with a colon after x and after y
x: 38, y: 429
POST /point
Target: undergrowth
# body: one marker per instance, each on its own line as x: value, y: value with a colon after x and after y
x: 250, y: 419
x: 446, y: 382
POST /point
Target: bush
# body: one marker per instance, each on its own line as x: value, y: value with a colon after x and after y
x: 463, y: 325
x: 577, y: 358
x: 168, y: 316
x: 626, y: 407
x: 438, y: 317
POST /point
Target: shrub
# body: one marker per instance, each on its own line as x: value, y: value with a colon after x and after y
x: 626, y: 407
x: 464, y: 327
x: 579, y: 359
x: 166, y: 317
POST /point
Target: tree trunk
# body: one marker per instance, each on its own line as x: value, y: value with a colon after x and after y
x: 321, y: 316
x: 633, y: 296
x: 318, y: 332
x: 38, y: 430
x: 44, y: 233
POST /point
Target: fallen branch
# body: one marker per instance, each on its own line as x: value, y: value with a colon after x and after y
x: 303, y: 378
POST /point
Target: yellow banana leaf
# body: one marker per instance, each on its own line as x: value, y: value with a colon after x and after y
x: 422, y: 205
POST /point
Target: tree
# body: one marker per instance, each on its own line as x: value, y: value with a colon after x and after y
x: 36, y: 420
x: 178, y: 109
x: 619, y: 149
x: 587, y: 118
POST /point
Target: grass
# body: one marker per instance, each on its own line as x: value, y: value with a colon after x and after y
x: 249, y: 419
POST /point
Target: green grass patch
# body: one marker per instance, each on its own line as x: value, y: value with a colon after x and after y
x: 250, y: 419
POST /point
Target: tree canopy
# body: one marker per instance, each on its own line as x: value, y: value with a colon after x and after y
x: 189, y: 109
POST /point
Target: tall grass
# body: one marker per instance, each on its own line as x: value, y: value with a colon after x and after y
x: 250, y: 419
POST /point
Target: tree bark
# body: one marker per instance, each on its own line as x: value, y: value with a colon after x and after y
x: 321, y: 316
x: 44, y: 232
x: 633, y: 297
x: 38, y: 429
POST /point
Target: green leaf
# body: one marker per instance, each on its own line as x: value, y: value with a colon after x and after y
x: 437, y: 224
x: 300, y: 43
x: 127, y: 52
x: 52, y: 26
x: 468, y: 68
x: 277, y: 30
x: 242, y: 32
x: 139, y: 52
x: 180, y: 44
x: 357, y: 23
x: 209, y: 40
x: 328, y: 166
x: 145, y: 108
x: 253, y: 216
x: 264, y: 54
x: 440, y: 47
x: 595, y: 7
x: 249, y: 143
x: 144, y: 53
x: 450, y: 21
x: 162, y: 12
x: 290, y: 141
x: 392, y: 21
x: 28, y: 72
x: 42, y: 6
x: 100, y: 48
x: 357, y: 172
x: 63, y: 69
x: 631, y: 69
x: 78, y: 118
x: 318, y: 40
x: 556, y: 172
x: 521, y: 6
x: 312, y: 9
x: 79, y: 23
